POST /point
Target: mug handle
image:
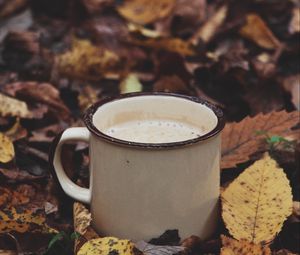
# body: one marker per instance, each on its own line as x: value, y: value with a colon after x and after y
x: 69, y: 187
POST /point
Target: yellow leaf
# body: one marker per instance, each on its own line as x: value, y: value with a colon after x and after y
x: 82, y: 221
x: 7, y: 151
x: 106, y: 246
x: 234, y: 247
x: 86, y: 61
x: 145, y: 11
x: 13, y: 107
x: 131, y: 84
x: 23, y: 220
x: 82, y: 218
x: 257, y: 31
x: 184, y: 48
x: 257, y: 202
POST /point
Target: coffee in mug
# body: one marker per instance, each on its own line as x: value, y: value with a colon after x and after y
x: 154, y: 165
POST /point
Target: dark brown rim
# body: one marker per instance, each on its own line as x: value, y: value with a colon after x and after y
x: 88, y: 120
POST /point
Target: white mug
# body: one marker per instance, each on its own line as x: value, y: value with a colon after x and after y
x: 139, y: 190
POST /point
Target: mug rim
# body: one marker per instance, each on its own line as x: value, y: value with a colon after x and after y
x: 89, y: 113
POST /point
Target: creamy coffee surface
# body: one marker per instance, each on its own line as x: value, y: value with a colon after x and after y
x: 154, y: 131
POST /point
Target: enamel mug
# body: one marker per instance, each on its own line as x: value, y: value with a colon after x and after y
x: 139, y: 190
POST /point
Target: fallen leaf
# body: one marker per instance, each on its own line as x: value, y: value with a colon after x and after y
x: 106, y: 246
x: 87, y: 96
x: 16, y: 132
x: 234, y: 247
x: 82, y: 218
x: 240, y: 141
x: 13, y: 107
x: 47, y: 133
x: 130, y: 84
x: 284, y: 252
x: 16, y: 175
x: 256, y: 204
x: 257, y: 31
x: 209, y: 29
x: 145, y: 11
x: 177, y: 45
x: 44, y: 93
x: 170, y: 83
x: 7, y: 151
x: 86, y: 61
x: 150, y: 249
x: 294, y: 26
x: 22, y: 221
x: 10, y: 7
x: 292, y: 85
x: 82, y: 221
x: 8, y: 252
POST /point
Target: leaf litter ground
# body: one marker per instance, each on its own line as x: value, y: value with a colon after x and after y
x: 59, y: 57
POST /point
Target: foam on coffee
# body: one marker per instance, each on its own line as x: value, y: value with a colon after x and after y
x: 154, y: 131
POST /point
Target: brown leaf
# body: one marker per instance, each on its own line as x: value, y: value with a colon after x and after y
x: 13, y: 107
x: 284, y: 252
x: 82, y: 220
x: 209, y: 29
x: 234, y: 247
x: 256, y: 204
x: 7, y: 151
x: 240, y: 141
x: 171, y: 84
x: 292, y: 85
x: 294, y: 26
x: 145, y: 11
x: 16, y: 175
x: 9, y: 7
x: 257, y: 31
x: 47, y: 133
x: 43, y: 93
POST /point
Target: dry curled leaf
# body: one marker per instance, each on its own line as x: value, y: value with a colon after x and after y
x: 234, y: 247
x: 106, y: 246
x: 13, y: 107
x: 22, y: 221
x: 86, y: 61
x: 240, y: 141
x: 209, y: 29
x: 184, y: 48
x: 257, y: 31
x: 256, y: 204
x: 7, y: 151
x: 82, y: 220
x: 145, y: 11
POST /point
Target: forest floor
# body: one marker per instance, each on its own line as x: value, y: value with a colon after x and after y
x: 57, y: 57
